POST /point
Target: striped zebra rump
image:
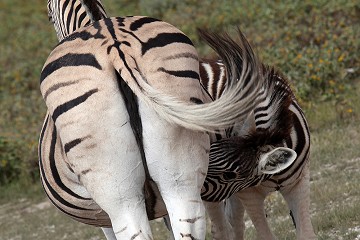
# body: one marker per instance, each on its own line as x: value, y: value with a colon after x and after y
x: 73, y: 94
x: 80, y: 85
x: 114, y: 47
x: 132, y: 46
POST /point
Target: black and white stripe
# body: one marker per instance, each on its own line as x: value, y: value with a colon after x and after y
x: 102, y: 79
x: 290, y: 180
x: 70, y: 15
x: 298, y: 139
x: 266, y: 129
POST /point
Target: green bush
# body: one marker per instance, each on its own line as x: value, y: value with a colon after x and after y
x: 10, y: 161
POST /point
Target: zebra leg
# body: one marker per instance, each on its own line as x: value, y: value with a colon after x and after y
x: 101, y: 149
x: 298, y: 200
x: 117, y: 187
x: 220, y: 227
x: 253, y: 201
x: 235, y: 211
x: 109, y: 233
x: 177, y: 161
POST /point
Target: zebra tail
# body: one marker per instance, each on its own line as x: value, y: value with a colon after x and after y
x: 239, y: 97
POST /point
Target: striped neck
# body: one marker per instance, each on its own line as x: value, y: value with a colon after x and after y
x: 70, y: 15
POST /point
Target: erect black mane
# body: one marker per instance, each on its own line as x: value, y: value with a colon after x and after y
x: 282, y: 120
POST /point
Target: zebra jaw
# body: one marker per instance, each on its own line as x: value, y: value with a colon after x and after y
x: 276, y: 160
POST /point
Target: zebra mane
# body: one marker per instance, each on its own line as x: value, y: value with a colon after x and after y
x: 273, y: 74
x: 94, y: 9
x: 278, y: 92
x: 239, y: 59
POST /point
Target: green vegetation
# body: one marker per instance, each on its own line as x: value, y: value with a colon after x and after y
x: 315, y: 44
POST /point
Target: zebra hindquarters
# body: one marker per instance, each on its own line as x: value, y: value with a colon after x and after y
x: 177, y: 159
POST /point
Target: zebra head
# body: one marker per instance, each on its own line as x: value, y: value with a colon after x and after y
x: 256, y: 149
x: 240, y: 162
x: 68, y: 16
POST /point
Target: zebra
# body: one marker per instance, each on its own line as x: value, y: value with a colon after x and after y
x: 293, y: 182
x: 71, y: 15
x: 94, y: 14
x: 97, y: 83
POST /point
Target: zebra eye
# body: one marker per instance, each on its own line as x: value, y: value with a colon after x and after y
x: 229, y: 175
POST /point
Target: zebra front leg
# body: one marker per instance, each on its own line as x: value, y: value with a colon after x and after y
x: 235, y: 211
x: 253, y: 201
x: 298, y: 200
x: 109, y: 233
x: 220, y: 226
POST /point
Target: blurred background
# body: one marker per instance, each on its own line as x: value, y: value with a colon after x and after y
x: 314, y: 43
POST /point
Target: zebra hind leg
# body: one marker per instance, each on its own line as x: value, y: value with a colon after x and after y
x: 108, y: 164
x: 177, y: 160
x: 122, y: 199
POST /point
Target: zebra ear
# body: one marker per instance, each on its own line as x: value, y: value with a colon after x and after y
x: 276, y: 160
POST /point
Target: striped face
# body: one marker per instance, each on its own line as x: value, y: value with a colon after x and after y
x: 232, y: 167
x: 237, y: 163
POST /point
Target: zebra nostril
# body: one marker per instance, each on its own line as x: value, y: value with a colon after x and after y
x: 229, y: 175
